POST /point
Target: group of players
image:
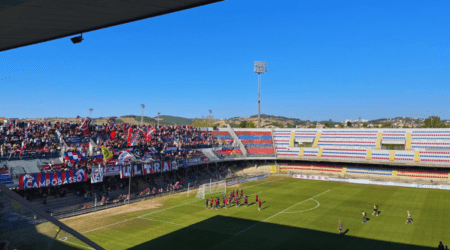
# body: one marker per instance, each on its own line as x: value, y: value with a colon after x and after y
x: 375, y: 212
x: 232, y: 198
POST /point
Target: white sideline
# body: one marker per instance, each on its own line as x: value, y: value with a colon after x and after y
x: 250, y: 227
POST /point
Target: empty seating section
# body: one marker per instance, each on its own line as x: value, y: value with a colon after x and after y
x: 223, y: 136
x: 422, y: 174
x: 257, y: 142
x: 310, y: 152
x: 431, y: 139
x: 380, y: 155
x: 288, y: 152
x: 404, y: 156
x: 317, y: 167
x: 393, y: 136
x: 371, y: 171
x: 281, y: 138
x: 348, y: 153
x: 434, y: 157
x: 353, y: 138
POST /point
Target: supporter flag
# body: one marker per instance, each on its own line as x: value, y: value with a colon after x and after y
x: 113, y: 134
x: 135, y: 139
x: 78, y: 117
x: 130, y: 133
x: 126, y: 171
x: 137, y: 169
x: 97, y: 175
x: 125, y: 157
x: 149, y: 134
x: 106, y: 154
x: 85, y: 125
x: 148, y: 168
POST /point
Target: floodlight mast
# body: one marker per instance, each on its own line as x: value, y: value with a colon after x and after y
x: 142, y: 116
x: 260, y: 68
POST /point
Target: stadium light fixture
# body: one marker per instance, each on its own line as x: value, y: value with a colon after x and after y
x: 77, y: 39
x: 158, y: 118
x: 260, y: 68
x: 142, y: 116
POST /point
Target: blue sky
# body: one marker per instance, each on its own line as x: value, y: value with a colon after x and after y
x: 326, y: 60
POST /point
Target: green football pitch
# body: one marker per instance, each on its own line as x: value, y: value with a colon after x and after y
x: 295, y: 214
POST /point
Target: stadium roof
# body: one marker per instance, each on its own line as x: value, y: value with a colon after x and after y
x: 26, y: 22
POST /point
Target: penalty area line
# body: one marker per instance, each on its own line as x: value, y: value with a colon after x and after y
x: 254, y: 225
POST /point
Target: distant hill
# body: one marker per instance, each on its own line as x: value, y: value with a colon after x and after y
x: 174, y: 120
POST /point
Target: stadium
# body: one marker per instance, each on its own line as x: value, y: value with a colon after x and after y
x: 82, y: 184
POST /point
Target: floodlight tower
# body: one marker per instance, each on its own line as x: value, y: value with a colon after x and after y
x: 90, y: 112
x: 142, y: 116
x: 260, y: 68
x: 158, y: 118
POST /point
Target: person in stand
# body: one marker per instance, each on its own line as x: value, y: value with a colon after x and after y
x: 340, y: 228
x: 441, y: 246
x: 259, y: 205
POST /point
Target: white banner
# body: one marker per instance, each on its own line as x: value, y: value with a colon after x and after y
x: 311, y: 177
x: 392, y: 183
x: 96, y: 175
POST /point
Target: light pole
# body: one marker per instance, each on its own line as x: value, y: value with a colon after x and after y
x: 158, y: 118
x: 90, y: 112
x: 142, y: 116
x: 210, y: 117
x: 260, y: 68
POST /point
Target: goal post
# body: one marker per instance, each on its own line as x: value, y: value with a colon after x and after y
x: 211, y: 188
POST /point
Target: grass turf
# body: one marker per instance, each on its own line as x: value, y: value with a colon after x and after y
x: 296, y: 214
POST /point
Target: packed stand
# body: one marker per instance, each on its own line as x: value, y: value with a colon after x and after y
x: 21, y: 140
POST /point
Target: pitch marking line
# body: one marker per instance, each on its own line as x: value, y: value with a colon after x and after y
x: 301, y: 211
x: 254, y: 225
x: 164, y: 222
x: 65, y: 241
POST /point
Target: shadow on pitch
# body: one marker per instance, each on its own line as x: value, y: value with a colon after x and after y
x: 222, y: 232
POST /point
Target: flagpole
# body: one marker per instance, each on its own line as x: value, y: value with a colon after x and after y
x: 129, y: 184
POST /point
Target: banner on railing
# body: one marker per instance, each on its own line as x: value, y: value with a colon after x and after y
x: 96, y: 175
x: 111, y: 169
x: 52, y: 179
x: 311, y: 177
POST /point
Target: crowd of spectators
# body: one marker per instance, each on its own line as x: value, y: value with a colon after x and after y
x: 20, y: 139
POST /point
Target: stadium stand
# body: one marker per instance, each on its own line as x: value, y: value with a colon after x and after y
x: 257, y: 142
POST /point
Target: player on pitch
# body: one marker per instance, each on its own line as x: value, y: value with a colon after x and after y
x: 259, y: 204
x: 375, y: 209
x: 340, y: 228
x: 246, y: 201
x: 364, y: 219
x: 409, y: 219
